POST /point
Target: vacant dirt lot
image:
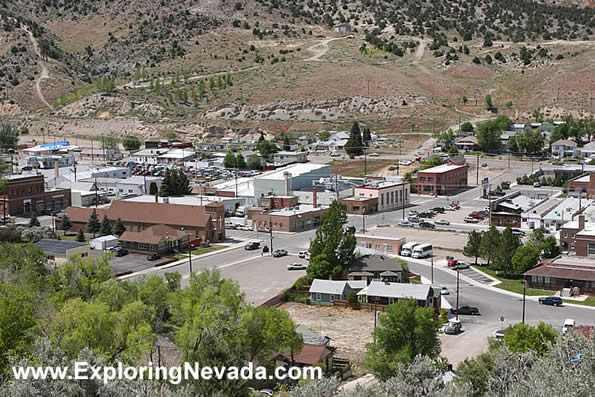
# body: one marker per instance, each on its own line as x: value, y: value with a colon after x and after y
x: 349, y: 330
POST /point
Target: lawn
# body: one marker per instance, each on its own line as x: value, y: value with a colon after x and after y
x: 200, y: 251
x: 513, y: 285
x: 590, y: 301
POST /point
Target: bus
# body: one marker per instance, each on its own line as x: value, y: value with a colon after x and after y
x: 422, y: 251
x: 407, y: 248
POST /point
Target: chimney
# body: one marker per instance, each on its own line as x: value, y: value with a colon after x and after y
x: 314, y: 198
x: 56, y: 167
x: 581, y: 222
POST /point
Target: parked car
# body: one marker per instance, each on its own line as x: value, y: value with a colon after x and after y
x: 469, y: 219
x: 406, y: 224
x: 374, y: 155
x: 427, y: 225
x: 413, y: 219
x: 153, y: 257
x: 438, y: 209
x: 121, y: 251
x: 444, y: 291
x: 453, y: 207
x: 302, y: 254
x: 253, y: 245
x: 498, y: 193
x: 460, y: 265
x: 518, y: 232
x: 453, y: 327
x: 476, y: 215
x: 413, y: 213
x: 442, y: 222
x: 247, y: 228
x: 296, y: 266
x: 536, y: 184
x: 279, y: 253
x: 568, y: 325
x: 484, y: 164
x: 466, y: 310
x: 544, y: 230
x: 498, y: 334
x: 550, y: 300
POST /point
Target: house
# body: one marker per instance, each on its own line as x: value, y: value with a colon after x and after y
x: 204, y: 222
x: 564, y: 272
x: 158, y: 239
x: 25, y: 194
x: 386, y: 293
x: 588, y: 150
x: 286, y: 157
x: 326, y: 291
x: 342, y: 27
x: 578, y: 237
x: 546, y: 130
x: 376, y: 268
x: 565, y: 148
x: 442, y: 180
x: 391, y: 193
x: 101, y: 155
x: 60, y: 251
x: 467, y: 144
x: 505, y: 138
x: 456, y: 160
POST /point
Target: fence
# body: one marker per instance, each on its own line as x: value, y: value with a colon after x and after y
x: 370, y: 307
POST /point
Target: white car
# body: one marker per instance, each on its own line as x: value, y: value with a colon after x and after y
x: 444, y: 291
x: 374, y: 155
x: 302, y: 254
x: 442, y: 222
x: 247, y: 228
x: 296, y: 266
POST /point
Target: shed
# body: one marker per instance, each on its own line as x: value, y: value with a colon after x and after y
x: 104, y: 242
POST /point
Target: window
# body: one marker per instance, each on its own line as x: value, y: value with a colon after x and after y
x: 391, y: 301
x: 318, y: 296
x: 129, y: 190
x: 332, y: 298
x: 422, y: 179
x: 565, y: 234
x: 430, y: 179
x: 389, y: 247
x: 591, y: 249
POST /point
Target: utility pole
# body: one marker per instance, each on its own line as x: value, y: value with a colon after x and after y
x: 365, y: 163
x: 96, y: 198
x: 236, y: 174
x: 509, y: 160
x: 271, y: 233
x: 190, y: 255
x: 337, y: 186
x: 403, y: 196
x: 477, y: 176
x: 368, y: 88
x: 489, y: 205
x: 432, y: 273
x: 524, y: 286
x: 103, y: 146
x: 364, y: 219
x: 92, y: 154
x: 457, y: 295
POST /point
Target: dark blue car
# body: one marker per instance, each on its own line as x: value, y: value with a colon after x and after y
x: 551, y: 300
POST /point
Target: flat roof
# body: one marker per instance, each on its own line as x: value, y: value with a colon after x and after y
x: 298, y: 209
x: 568, y: 268
x: 584, y: 178
x: 57, y: 246
x: 443, y: 168
x: 183, y: 200
x: 294, y: 170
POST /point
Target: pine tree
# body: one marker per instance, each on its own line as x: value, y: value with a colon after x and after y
x: 93, y: 224
x: 354, y: 145
x: 119, y: 227
x: 240, y: 162
x: 165, y: 189
x: 106, y: 227
x: 153, y: 189
x: 367, y: 136
x: 34, y: 221
x: 80, y: 236
x: 229, y: 161
x: 65, y: 224
x: 489, y: 244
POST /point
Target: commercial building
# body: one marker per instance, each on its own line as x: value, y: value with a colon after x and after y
x: 148, y: 156
x: 60, y: 251
x: 25, y: 194
x: 296, y: 219
x: 582, y: 186
x: 100, y: 155
x: 202, y: 222
x: 49, y: 161
x: 230, y: 204
x: 564, y: 272
x: 379, y: 244
x: 327, y: 190
x: 442, y: 180
x: 578, y: 237
x: 284, y: 180
x: 158, y: 239
x: 285, y: 157
x: 361, y: 205
x: 564, y: 212
x: 176, y: 156
x: 391, y: 193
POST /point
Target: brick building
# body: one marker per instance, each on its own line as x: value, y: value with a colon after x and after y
x: 442, y: 180
x: 361, y: 205
x: 380, y: 244
x: 25, y: 194
x: 204, y: 222
x: 296, y: 219
x: 582, y: 186
x: 564, y: 272
x: 155, y: 239
x: 578, y: 236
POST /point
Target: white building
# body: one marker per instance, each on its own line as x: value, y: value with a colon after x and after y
x: 283, y: 181
x: 48, y: 161
x: 392, y: 193
x: 176, y: 156
x: 565, y: 148
x: 137, y: 185
x: 285, y: 157
x: 564, y: 212
x: 148, y: 156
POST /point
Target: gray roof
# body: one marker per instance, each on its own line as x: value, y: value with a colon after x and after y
x: 356, y: 284
x: 334, y: 287
x: 360, y: 274
x: 312, y: 338
x: 59, y: 247
x: 376, y: 263
x: 397, y: 290
x: 388, y: 273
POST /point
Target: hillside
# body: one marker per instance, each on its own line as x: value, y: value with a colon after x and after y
x: 281, y: 66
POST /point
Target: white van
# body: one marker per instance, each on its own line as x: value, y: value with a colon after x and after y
x: 568, y: 325
x: 241, y: 211
x: 407, y: 248
x: 422, y: 251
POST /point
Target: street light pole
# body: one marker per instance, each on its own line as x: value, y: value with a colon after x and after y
x: 524, y: 287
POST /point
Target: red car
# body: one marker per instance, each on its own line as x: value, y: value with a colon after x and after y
x: 474, y: 215
x: 544, y: 230
x: 452, y: 262
x: 153, y: 257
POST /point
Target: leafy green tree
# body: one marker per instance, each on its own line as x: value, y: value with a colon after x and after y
x: 119, y: 227
x: 268, y: 330
x: 403, y: 333
x: 354, y: 145
x: 130, y: 142
x: 537, y: 239
x: 488, y: 135
x: 65, y: 223
x: 106, y: 227
x: 332, y: 249
x: 9, y: 137
x: 229, y: 161
x: 505, y: 248
x: 520, y: 338
x: 93, y: 225
x: 489, y: 244
x: 433, y: 161
x: 467, y: 127
x: 17, y: 320
x: 324, y: 135
x: 525, y: 258
x: 33, y: 221
x: 240, y: 162
x: 253, y: 162
x: 80, y: 278
x: 489, y: 102
x: 473, y: 247
x: 551, y: 249
x: 80, y: 236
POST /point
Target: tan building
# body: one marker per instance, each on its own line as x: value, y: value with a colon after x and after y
x: 300, y: 218
x: 361, y: 205
x: 60, y: 251
x: 158, y: 239
x: 380, y: 244
x: 391, y: 194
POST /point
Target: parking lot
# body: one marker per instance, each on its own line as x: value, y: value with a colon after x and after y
x: 129, y: 263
